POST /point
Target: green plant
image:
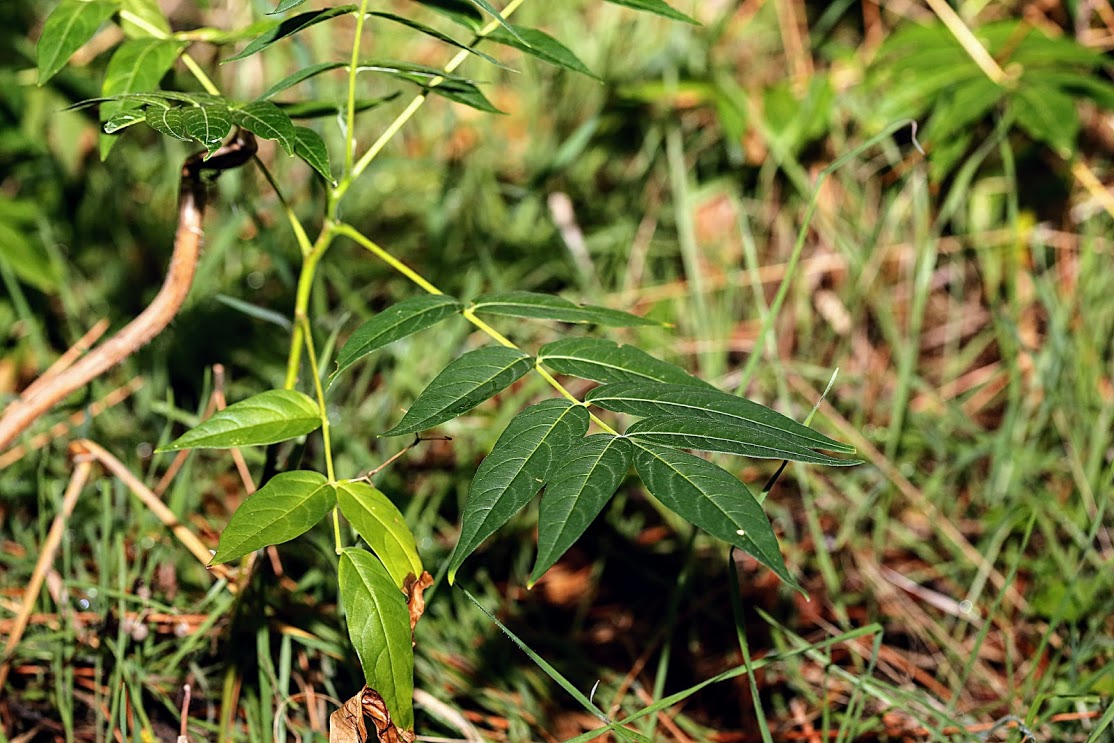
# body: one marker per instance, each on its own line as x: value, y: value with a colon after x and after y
x: 546, y: 445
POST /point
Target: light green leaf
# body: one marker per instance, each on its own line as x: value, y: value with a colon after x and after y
x: 286, y: 5
x: 286, y: 507
x: 429, y: 31
x: 67, y: 28
x: 381, y: 525
x: 1048, y: 115
x: 289, y: 27
x: 584, y: 481
x: 266, y: 418
x: 711, y: 499
x: 462, y: 385
x: 657, y: 7
x: 543, y: 46
x: 316, y: 109
x: 300, y: 76
x: 150, y: 22
x: 266, y: 120
x: 492, y: 11
x: 220, y: 36
x: 708, y: 405
x: 136, y: 66
x: 549, y: 307
x: 394, y: 323
x: 459, y: 11
x: 209, y: 125
x: 748, y: 441
x: 379, y: 627
x: 309, y: 146
x: 607, y: 361
x: 27, y: 258
x: 168, y: 121
x: 523, y: 459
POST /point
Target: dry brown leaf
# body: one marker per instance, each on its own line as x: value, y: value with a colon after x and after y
x: 346, y: 725
x: 413, y: 587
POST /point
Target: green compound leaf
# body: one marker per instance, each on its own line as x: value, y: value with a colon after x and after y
x: 121, y: 120
x: 457, y: 89
x: 286, y: 5
x: 608, y: 362
x: 381, y: 525
x: 266, y: 120
x: 67, y: 28
x: 459, y: 11
x: 462, y: 385
x: 289, y: 27
x: 687, y: 433
x: 549, y: 307
x: 266, y: 418
x: 543, y: 46
x: 286, y: 507
x: 1048, y: 115
x: 521, y: 462
x: 148, y: 19
x: 395, y: 323
x: 136, y: 66
x: 429, y: 31
x: 584, y: 481
x: 300, y: 76
x: 657, y: 7
x: 379, y: 626
x: 169, y: 121
x: 208, y: 124
x: 309, y: 146
x: 494, y: 13
x: 708, y: 405
x: 712, y: 499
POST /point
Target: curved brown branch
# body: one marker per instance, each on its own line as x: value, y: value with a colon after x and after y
x: 41, y: 397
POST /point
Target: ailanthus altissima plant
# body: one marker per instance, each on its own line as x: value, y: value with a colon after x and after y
x: 575, y: 452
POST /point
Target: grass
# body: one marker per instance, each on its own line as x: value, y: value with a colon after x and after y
x: 959, y: 581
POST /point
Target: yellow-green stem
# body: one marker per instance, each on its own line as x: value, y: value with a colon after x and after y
x: 350, y: 119
x: 350, y: 231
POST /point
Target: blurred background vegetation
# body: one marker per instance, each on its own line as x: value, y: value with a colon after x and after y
x: 966, y: 297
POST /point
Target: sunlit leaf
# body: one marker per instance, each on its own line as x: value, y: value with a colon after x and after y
x: 379, y: 627
x: 523, y: 459
x: 266, y: 120
x: 606, y: 361
x: 657, y: 7
x: 722, y: 436
x: 378, y: 521
x: 289, y: 27
x: 543, y: 46
x: 286, y: 5
x: 585, y: 479
x: 136, y: 66
x: 429, y: 31
x: 300, y: 76
x: 168, y: 121
x: 309, y: 146
x: 708, y: 405
x: 149, y: 20
x: 67, y: 28
x: 209, y: 125
x: 550, y: 307
x: 394, y: 323
x: 266, y: 418
x: 286, y: 507
x: 462, y: 385
x: 712, y: 499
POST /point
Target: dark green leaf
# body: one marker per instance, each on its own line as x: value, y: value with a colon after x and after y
x: 209, y: 125
x: 379, y: 626
x: 584, y: 481
x: 460, y: 11
x: 122, y: 120
x: 266, y: 120
x: 543, y: 46
x: 309, y: 146
x: 962, y: 106
x: 301, y: 75
x: 492, y: 11
x: 286, y: 507
x: 607, y: 361
x: 1048, y: 115
x: 708, y: 405
x: 429, y: 31
x: 454, y: 88
x: 523, y: 459
x: 462, y: 385
x: 67, y: 28
x: 549, y: 307
x: 712, y: 499
x: 657, y: 7
x: 381, y: 525
x: 168, y: 121
x: 320, y: 108
x: 266, y: 418
x: 687, y: 433
x: 289, y: 27
x: 394, y: 323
